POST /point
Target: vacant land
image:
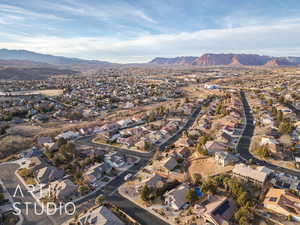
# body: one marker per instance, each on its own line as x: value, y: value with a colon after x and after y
x: 12, y: 144
x: 49, y: 92
x: 53, y: 92
x: 206, y: 166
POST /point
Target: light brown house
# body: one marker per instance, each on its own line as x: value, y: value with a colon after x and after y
x: 283, y: 202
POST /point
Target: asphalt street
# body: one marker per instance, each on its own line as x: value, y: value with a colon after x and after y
x: 243, y: 146
x: 11, y: 182
x: 110, y: 191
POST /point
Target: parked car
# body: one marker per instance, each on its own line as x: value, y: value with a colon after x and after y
x: 128, y: 176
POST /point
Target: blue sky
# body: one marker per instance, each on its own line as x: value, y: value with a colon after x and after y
x: 138, y: 30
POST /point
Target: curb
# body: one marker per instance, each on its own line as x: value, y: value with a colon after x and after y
x: 143, y: 207
x: 21, y: 218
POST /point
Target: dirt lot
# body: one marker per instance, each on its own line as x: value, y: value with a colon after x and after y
x: 196, y: 91
x: 50, y: 92
x: 12, y: 144
x: 206, y: 166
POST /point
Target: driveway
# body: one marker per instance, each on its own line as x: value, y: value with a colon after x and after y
x: 7, y: 175
x: 245, y: 141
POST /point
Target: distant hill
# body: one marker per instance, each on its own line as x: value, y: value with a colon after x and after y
x: 280, y: 62
x: 6, y: 54
x: 228, y: 59
x: 294, y: 59
x: 28, y: 59
x: 183, y: 60
x: 31, y: 73
x: 24, y: 64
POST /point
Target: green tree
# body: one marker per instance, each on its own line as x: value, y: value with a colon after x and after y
x: 202, y: 140
x: 24, y: 172
x: 61, y: 141
x: 250, y: 161
x: 263, y: 151
x: 243, y: 221
x: 1, y: 198
x: 99, y: 200
x: 242, y: 212
x: 281, y: 99
x: 144, y: 193
x: 270, y: 101
x: 279, y: 116
x: 83, y: 189
x: 208, y: 187
x: 196, y: 177
x: 191, y: 196
x: 243, y: 199
x: 285, y: 127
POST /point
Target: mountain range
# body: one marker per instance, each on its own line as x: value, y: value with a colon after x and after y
x: 24, y: 57
x: 228, y: 59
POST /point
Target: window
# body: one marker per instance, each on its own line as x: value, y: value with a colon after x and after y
x: 273, y: 199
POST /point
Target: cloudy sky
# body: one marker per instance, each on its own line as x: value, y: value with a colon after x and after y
x: 139, y: 30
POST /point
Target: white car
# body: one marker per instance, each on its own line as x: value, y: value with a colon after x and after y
x: 128, y: 176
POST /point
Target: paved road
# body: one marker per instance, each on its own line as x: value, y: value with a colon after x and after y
x: 110, y: 191
x: 111, y: 194
x: 136, y: 212
x: 89, y: 141
x: 294, y: 110
x: 189, y: 123
x: 243, y: 146
x: 11, y: 182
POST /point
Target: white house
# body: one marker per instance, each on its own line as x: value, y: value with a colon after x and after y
x: 176, y: 197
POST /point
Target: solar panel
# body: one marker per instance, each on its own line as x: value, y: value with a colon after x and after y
x: 222, y: 208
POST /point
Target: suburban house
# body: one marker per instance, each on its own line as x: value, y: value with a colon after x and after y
x: 297, y: 162
x: 296, y: 134
x: 125, y: 122
x: 183, y: 152
x: 100, y: 216
x: 286, y: 181
x: 68, y: 135
x: 225, y: 158
x: 48, y: 174
x: 34, y: 163
x: 267, y: 120
x: 63, y: 189
x: 245, y: 172
x: 115, y: 159
x: 175, y: 198
x: 265, y: 169
x: 283, y: 202
x: 143, y: 144
x: 215, y: 146
x: 153, y: 181
x: 268, y: 141
x: 183, y: 142
x: 170, y: 164
x: 217, y: 210
x: 97, y: 152
x: 226, y: 138
x: 42, y: 140
x: 274, y: 147
x: 96, y: 172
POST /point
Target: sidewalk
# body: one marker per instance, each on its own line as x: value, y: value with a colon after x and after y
x: 144, y: 207
x: 21, y: 219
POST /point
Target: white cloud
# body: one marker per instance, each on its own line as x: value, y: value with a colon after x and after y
x: 281, y: 39
x: 6, y: 19
x: 101, y: 11
x: 18, y: 11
